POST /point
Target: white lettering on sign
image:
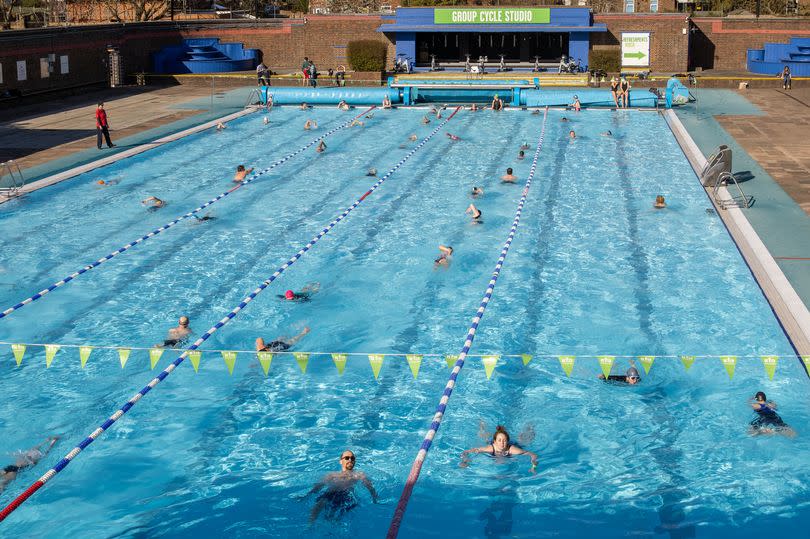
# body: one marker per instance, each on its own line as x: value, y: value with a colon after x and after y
x: 465, y: 16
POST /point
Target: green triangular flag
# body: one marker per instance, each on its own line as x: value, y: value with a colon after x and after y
x: 264, y: 360
x: 230, y: 360
x: 451, y: 360
x: 19, y: 352
x: 806, y: 360
x: 567, y: 364
x: 84, y: 354
x: 606, y: 362
x: 123, y: 355
x: 154, y: 356
x: 770, y: 365
x: 376, y: 361
x: 729, y: 362
x: 340, y: 362
x: 302, y: 358
x: 194, y: 357
x: 414, y: 362
x: 50, y: 352
x: 489, y: 364
x: 687, y: 362
x: 646, y: 362
x: 526, y: 359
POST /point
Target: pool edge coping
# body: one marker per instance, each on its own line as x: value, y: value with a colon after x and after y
x: 789, y: 309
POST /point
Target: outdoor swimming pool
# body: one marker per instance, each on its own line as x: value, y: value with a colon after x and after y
x: 593, y: 270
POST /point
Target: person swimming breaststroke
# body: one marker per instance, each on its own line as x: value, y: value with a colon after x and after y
x: 572, y: 135
x: 767, y: 420
x: 453, y: 137
x: 241, y: 173
x: 281, y: 344
x: 631, y: 376
x: 660, y: 202
x: 304, y: 295
x: 177, y: 335
x: 154, y: 203
x: 310, y: 124
x: 477, y: 192
x: 339, y: 497
x: 521, y: 154
x: 444, y: 258
x: 500, y: 446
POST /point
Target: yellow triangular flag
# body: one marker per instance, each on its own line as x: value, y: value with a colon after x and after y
x: 340, y: 362
x: 489, y: 364
x: 230, y: 360
x: 451, y: 360
x: 770, y: 365
x: 154, y: 356
x: 123, y: 355
x: 194, y: 358
x: 302, y: 358
x: 567, y: 364
x: 805, y: 359
x: 687, y: 362
x: 376, y: 361
x: 19, y: 352
x: 526, y: 359
x: 50, y: 352
x: 729, y: 362
x: 606, y: 362
x: 265, y: 358
x: 414, y: 362
x: 646, y: 362
x: 84, y: 354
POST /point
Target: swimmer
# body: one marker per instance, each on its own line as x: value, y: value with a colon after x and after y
x: 525, y: 146
x: 153, y: 202
x: 474, y: 108
x: 535, y: 112
x: 321, y: 147
x: 497, y: 103
x: 281, y: 344
x: 576, y: 105
x: 425, y: 120
x: 370, y: 116
x: 241, y: 173
x: 660, y: 202
x: 311, y: 124
x: 303, y: 106
x: 563, y: 119
x: 25, y: 459
x: 476, y: 214
x: 386, y: 102
x: 521, y: 154
x: 572, y: 135
x: 343, y: 105
x: 107, y: 183
x: 445, y: 254
x: 453, y: 137
x: 304, y: 295
x: 499, y: 447
x: 607, y: 133
x: 413, y: 138
x: 355, y: 123
x: 177, y: 335
x: 508, y: 177
x: 477, y: 192
x: 221, y: 126
x: 339, y: 496
x: 767, y: 420
x: 631, y: 376
x: 206, y: 217
x: 266, y: 120
x: 371, y: 172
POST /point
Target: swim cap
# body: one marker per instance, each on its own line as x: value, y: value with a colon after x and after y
x: 289, y: 294
x: 632, y: 372
x: 101, y: 182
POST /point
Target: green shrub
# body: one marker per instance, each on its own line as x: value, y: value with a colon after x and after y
x: 366, y: 55
x: 606, y: 60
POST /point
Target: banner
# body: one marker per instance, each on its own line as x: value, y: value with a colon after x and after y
x: 123, y: 355
x: 340, y: 362
x: 230, y: 360
x: 302, y: 358
x: 729, y: 362
x: 376, y: 361
x: 50, y: 352
x: 451, y: 360
x: 514, y: 15
x: 606, y: 363
x: 194, y: 357
x: 414, y: 362
x: 489, y: 364
x: 567, y: 364
x: 265, y: 358
x: 635, y: 49
x: 769, y: 362
x: 687, y: 362
x: 646, y: 362
x: 84, y: 354
x: 154, y: 356
x: 526, y: 359
x: 19, y: 351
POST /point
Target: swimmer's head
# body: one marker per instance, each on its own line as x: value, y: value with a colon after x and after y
x: 500, y: 440
x: 660, y: 202
x: 100, y: 182
x: 571, y: 134
x: 495, y: 96
x: 450, y: 249
x: 632, y: 375
x: 347, y: 460
x: 522, y: 153
x: 760, y: 397
x: 183, y: 321
x: 240, y: 168
x: 509, y: 170
x: 575, y: 98
x: 289, y: 294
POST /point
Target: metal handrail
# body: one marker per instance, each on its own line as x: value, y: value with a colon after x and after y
x: 740, y: 201
x: 11, y: 169
x: 250, y: 98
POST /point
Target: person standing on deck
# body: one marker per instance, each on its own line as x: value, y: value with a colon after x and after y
x: 102, y: 127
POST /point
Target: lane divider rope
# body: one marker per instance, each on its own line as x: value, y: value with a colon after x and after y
x: 167, y: 226
x: 416, y: 468
x: 62, y: 464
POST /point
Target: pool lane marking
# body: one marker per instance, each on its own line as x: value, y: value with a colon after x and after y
x: 416, y: 468
x: 157, y: 231
x: 67, y: 459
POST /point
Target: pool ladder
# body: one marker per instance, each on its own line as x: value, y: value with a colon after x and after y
x: 736, y: 201
x: 254, y: 98
x: 11, y: 179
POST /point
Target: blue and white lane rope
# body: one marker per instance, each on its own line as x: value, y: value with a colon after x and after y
x: 62, y: 464
x: 393, y: 530
x: 157, y: 231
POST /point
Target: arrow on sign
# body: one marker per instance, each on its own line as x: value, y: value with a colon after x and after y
x: 639, y: 55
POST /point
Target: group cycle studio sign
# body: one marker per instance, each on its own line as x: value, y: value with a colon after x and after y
x: 492, y: 16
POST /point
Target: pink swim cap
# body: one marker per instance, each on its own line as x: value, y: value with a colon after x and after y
x: 289, y: 294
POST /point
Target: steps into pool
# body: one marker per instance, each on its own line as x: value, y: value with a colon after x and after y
x: 771, y: 59
x: 204, y: 55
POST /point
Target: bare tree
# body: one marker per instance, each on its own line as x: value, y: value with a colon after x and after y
x: 136, y: 10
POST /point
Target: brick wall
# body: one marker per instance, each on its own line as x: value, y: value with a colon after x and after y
x: 669, y: 47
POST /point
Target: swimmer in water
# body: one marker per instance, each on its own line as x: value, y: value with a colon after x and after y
x: 304, y: 295
x: 535, y: 112
x: 607, y: 133
x: 343, y: 105
x: 425, y: 120
x: 221, y: 126
x: 521, y: 154
x: 631, y: 377
x: 508, y: 177
x: 266, y: 120
x: 563, y: 119
x: 321, y: 147
x: 413, y: 138
x: 497, y: 103
x: 475, y: 213
x: 500, y: 447
x: 339, y: 497
x: 453, y: 137
x: 525, y: 146
x: 572, y: 135
x: 660, y: 203
x: 386, y: 102
x: 767, y: 420
x: 154, y: 203
x: 477, y: 192
x: 206, y: 217
x: 356, y: 123
x: 241, y: 173
x: 310, y: 124
x: 371, y: 172
x: 281, y: 344
x: 107, y: 183
x: 26, y: 459
x: 369, y: 116
x: 177, y: 335
x: 303, y: 106
x: 576, y: 105
x: 445, y: 255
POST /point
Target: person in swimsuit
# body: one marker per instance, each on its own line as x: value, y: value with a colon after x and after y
x: 303, y: 106
x: 281, y: 344
x: 477, y: 192
x: 425, y: 120
x: 500, y: 447
x: 607, y: 133
x: 241, y: 173
x: 476, y: 214
x: 525, y: 146
x: 206, y: 217
x: 178, y: 335
x: 572, y: 135
x: 386, y: 102
x: 321, y: 147
x: 497, y: 103
x: 660, y: 202
x: 631, y: 377
x: 371, y: 172
x: 310, y: 124
x: 767, y: 420
x: 26, y: 459
x: 453, y: 137
x: 508, y: 177
x: 786, y: 78
x: 304, y: 295
x: 153, y: 202
x: 521, y: 154
x: 624, y: 87
x: 339, y: 498
x: 445, y: 254
x: 614, y: 90
x: 576, y: 105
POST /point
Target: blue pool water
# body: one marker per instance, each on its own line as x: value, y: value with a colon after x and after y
x: 593, y: 270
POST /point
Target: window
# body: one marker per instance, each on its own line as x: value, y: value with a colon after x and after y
x: 1, y: 73
x: 629, y: 6
x: 64, y: 67
x: 653, y: 6
x: 386, y: 8
x: 22, y: 73
x: 44, y: 68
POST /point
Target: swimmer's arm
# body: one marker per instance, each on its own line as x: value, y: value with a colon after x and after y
x: 515, y: 450
x: 367, y: 482
x: 465, y: 459
x: 316, y: 487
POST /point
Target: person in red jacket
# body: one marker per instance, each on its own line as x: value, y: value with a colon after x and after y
x: 102, y: 127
